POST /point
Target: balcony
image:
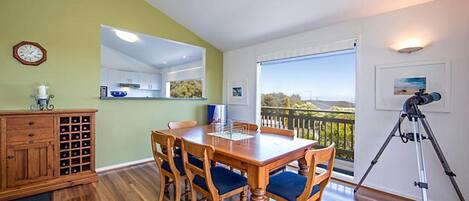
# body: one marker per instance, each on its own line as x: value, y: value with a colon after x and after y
x: 326, y: 127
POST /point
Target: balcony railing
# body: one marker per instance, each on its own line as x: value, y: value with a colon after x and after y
x: 324, y: 126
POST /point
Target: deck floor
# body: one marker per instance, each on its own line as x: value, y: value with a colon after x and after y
x: 141, y: 182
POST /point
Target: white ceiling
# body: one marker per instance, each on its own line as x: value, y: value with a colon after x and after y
x: 151, y: 50
x: 231, y: 24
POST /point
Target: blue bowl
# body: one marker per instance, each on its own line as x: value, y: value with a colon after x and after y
x: 118, y: 93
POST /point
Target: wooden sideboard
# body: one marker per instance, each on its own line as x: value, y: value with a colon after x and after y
x: 43, y: 151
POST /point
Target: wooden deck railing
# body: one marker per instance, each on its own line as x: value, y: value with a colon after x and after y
x: 324, y: 126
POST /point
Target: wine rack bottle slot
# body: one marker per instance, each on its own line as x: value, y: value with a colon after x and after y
x: 64, y: 120
x: 75, y: 145
x: 64, y: 129
x: 75, y: 120
x: 85, y: 119
x: 85, y: 151
x: 85, y: 135
x: 75, y: 169
x: 75, y: 136
x: 64, y: 171
x: 85, y: 127
x: 85, y: 143
x: 64, y: 154
x: 75, y: 153
x: 64, y: 163
x: 64, y: 146
x: 75, y: 128
x: 86, y: 159
x: 85, y: 167
x: 64, y: 137
x: 75, y: 161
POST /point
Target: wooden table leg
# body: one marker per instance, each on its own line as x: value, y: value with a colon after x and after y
x: 303, y: 167
x: 258, y: 178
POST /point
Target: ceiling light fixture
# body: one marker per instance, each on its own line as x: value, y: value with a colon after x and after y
x: 127, y: 36
x: 184, y: 57
x: 409, y: 46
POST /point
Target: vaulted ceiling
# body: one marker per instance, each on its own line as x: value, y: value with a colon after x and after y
x: 231, y: 24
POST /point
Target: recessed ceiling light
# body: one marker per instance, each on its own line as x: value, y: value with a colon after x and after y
x: 127, y: 36
x: 184, y: 57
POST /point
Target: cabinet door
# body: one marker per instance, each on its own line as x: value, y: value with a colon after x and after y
x: 28, y: 163
x: 144, y: 81
x: 156, y: 82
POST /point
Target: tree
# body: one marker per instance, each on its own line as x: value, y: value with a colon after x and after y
x: 186, y: 89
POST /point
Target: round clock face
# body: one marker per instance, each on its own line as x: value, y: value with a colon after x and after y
x: 30, y: 53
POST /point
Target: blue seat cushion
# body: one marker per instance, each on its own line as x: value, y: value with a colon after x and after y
x: 180, y: 166
x: 224, y: 180
x: 178, y: 151
x: 278, y: 170
x: 289, y: 185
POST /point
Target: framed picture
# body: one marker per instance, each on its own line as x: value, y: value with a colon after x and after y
x: 395, y: 83
x: 237, y: 92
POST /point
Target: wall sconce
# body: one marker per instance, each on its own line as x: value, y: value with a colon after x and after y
x: 409, y: 46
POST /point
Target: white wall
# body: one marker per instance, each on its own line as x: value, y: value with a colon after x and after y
x: 446, y: 23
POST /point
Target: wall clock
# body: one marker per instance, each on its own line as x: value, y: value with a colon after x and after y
x: 29, y: 53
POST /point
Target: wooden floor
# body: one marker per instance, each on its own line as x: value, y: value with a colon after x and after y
x: 141, y: 183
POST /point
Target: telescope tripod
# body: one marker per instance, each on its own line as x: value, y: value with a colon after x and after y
x: 416, y: 117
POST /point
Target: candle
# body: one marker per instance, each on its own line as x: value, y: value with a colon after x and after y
x: 42, y: 91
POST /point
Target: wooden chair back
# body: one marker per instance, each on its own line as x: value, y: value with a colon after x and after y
x: 205, y: 154
x: 165, y: 153
x: 246, y: 125
x: 313, y: 158
x: 182, y: 124
x: 278, y: 131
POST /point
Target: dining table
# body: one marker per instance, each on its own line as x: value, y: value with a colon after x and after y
x: 257, y: 155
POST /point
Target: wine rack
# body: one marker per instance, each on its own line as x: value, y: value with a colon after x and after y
x: 75, y: 144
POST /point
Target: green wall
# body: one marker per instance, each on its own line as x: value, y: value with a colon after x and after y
x: 70, y: 31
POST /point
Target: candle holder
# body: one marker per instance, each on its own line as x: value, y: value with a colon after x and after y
x: 42, y: 103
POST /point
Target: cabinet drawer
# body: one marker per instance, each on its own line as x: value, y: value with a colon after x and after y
x: 23, y: 123
x: 29, y: 134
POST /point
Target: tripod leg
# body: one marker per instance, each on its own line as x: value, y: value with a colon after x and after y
x: 381, y: 150
x: 441, y: 157
x: 422, y: 183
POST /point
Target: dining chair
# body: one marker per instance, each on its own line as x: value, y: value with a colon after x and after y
x: 212, y: 182
x: 180, y: 125
x: 278, y: 131
x: 171, y: 167
x: 246, y: 125
x: 289, y: 186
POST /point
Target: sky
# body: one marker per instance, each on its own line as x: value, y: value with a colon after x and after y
x: 324, y: 77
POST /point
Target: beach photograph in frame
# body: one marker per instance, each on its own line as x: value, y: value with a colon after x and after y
x: 409, y: 86
x: 395, y: 83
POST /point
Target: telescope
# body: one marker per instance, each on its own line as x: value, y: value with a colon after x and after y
x: 420, y: 98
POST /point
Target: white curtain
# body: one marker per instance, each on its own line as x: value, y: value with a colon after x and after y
x: 316, y: 49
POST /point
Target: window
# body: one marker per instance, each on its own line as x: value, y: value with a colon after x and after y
x: 185, y: 89
x: 315, y: 96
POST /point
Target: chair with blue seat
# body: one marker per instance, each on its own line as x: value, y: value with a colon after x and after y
x: 278, y: 131
x: 289, y: 186
x: 212, y: 182
x: 171, y: 167
x: 181, y: 125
